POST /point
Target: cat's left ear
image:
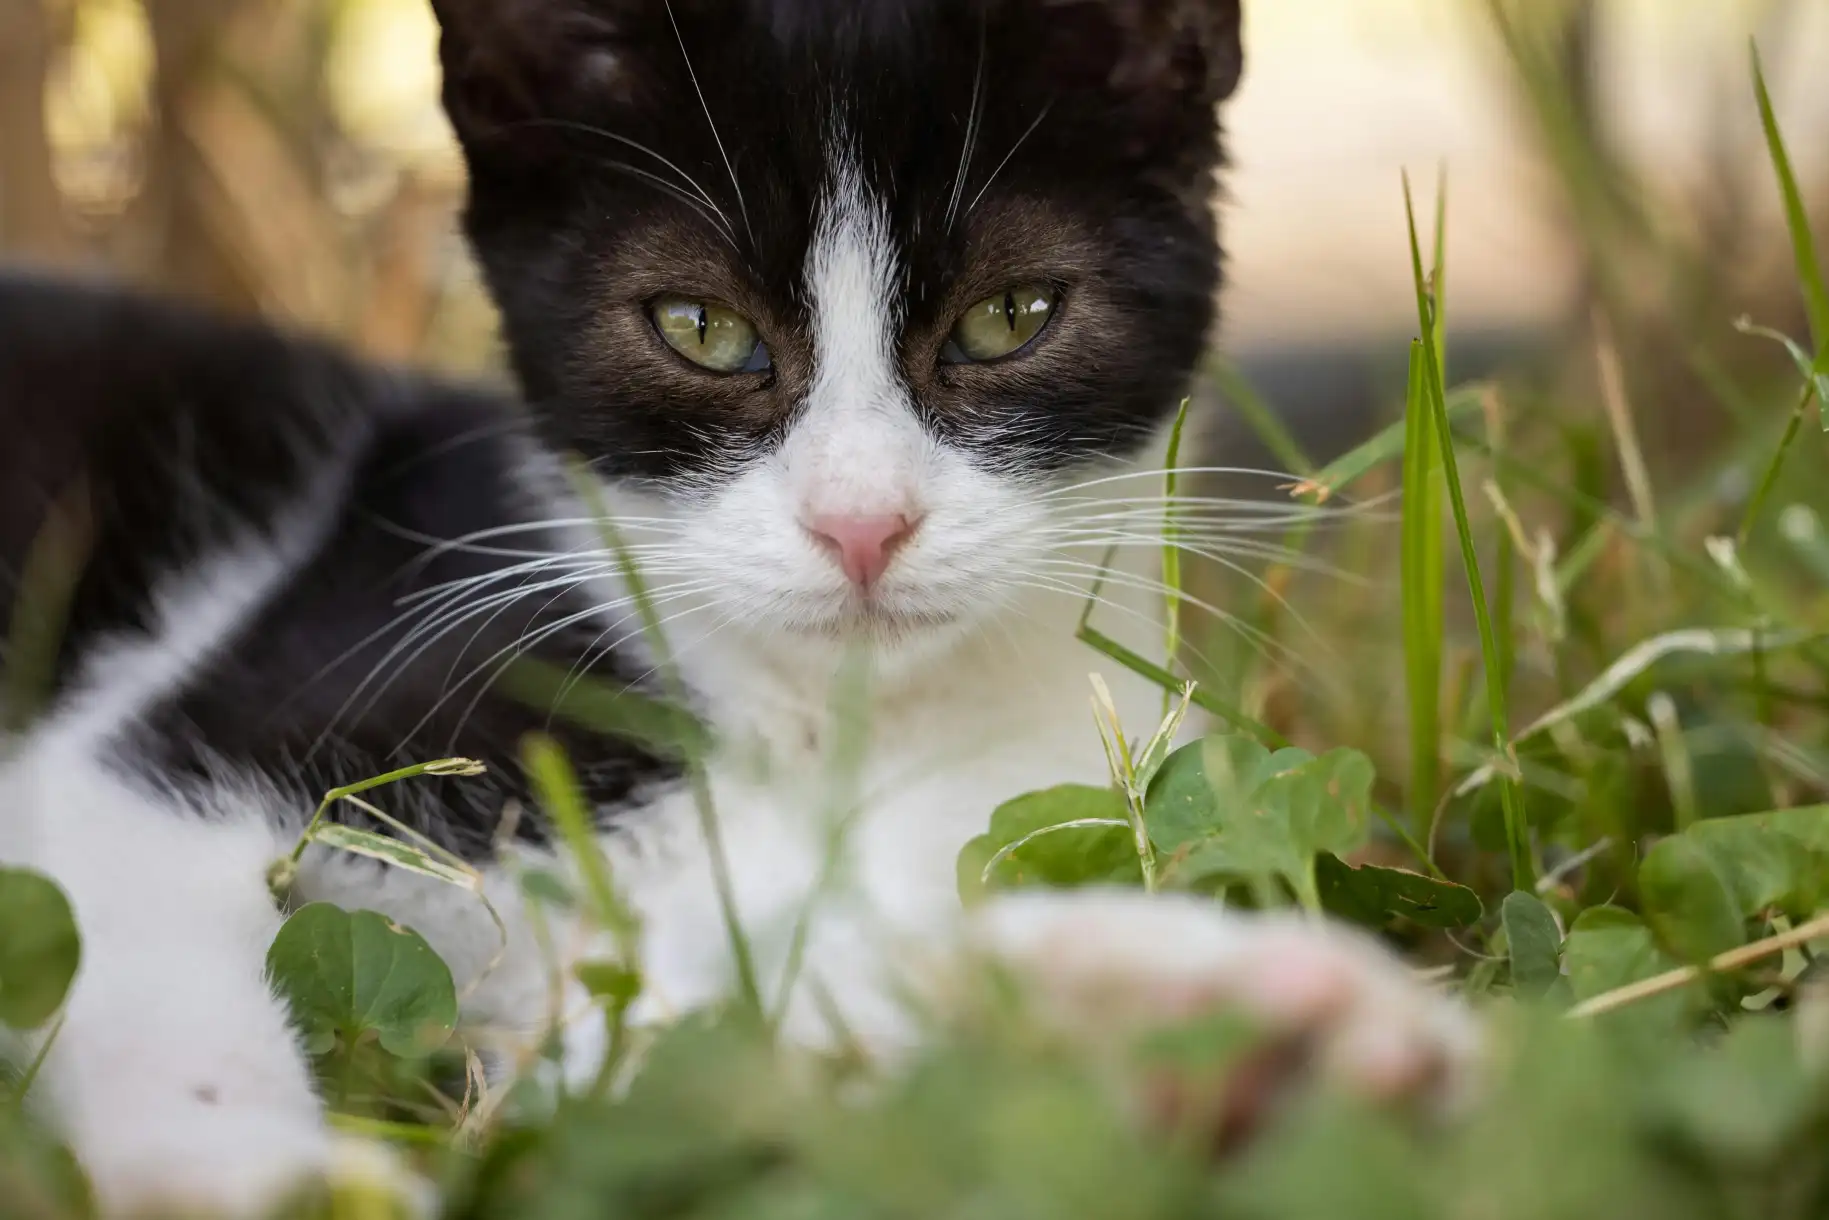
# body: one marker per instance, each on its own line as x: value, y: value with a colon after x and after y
x: 1166, y: 53
x: 1193, y: 47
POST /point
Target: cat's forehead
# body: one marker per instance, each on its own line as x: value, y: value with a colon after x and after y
x: 942, y: 112
x: 929, y: 96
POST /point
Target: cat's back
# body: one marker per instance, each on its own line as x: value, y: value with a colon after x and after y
x: 243, y: 554
x: 137, y: 434
x: 138, y: 437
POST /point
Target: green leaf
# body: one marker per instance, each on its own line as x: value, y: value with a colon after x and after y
x: 1327, y: 802
x: 394, y: 852
x: 347, y: 975
x: 1206, y: 781
x: 1270, y: 815
x: 1376, y: 896
x: 39, y: 948
x: 1608, y: 948
x: 1769, y: 860
x: 1687, y: 901
x: 610, y: 981
x: 1019, y: 850
x: 1535, y: 943
x: 1748, y: 1098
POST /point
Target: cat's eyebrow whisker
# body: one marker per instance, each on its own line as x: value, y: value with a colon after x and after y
x: 721, y: 228
x: 693, y: 75
x: 1020, y: 141
x: 696, y: 197
x: 974, y: 116
x: 591, y: 129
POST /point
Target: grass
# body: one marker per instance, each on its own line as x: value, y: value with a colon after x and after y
x: 1598, y: 811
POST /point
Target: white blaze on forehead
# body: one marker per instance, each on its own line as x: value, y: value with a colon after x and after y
x: 857, y: 448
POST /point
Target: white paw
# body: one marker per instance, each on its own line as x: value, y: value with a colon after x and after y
x: 238, y: 1163
x: 1331, y: 999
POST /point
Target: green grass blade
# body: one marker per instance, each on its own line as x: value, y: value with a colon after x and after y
x: 1171, y: 553
x: 1755, y: 507
x: 1815, y: 292
x: 749, y: 987
x: 1204, y: 699
x: 1386, y: 446
x: 1803, y: 242
x: 1423, y: 578
x: 1261, y: 417
x: 1523, y: 870
x: 47, y: 585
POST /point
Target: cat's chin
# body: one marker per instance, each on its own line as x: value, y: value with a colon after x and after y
x: 881, y: 627
x: 898, y: 640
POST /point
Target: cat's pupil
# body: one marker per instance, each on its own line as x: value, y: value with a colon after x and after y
x: 704, y: 324
x: 1009, y: 310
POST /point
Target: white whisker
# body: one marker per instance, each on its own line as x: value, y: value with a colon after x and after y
x: 692, y: 74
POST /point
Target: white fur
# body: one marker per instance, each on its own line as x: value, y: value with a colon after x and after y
x: 175, y: 1074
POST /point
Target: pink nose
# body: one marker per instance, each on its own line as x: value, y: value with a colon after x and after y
x: 863, y: 546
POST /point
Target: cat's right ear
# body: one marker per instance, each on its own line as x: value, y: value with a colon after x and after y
x: 510, y: 65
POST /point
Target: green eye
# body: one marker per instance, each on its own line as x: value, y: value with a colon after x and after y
x: 1001, y: 325
x: 711, y: 336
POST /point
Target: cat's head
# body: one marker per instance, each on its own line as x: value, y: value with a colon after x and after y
x: 841, y: 293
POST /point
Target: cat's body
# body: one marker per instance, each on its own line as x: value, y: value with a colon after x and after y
x: 738, y: 249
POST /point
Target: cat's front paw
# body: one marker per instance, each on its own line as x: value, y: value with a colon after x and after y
x: 240, y: 1164
x: 1329, y: 1001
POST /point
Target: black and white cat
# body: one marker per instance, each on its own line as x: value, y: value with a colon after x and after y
x: 870, y: 317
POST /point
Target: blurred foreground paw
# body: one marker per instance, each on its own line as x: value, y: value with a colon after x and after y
x: 241, y: 1164
x: 1322, y: 1002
